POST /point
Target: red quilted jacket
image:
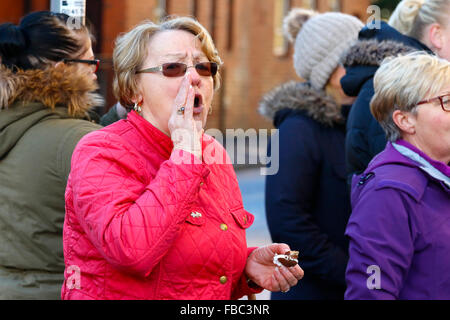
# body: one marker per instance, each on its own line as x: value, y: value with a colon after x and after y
x: 140, y: 225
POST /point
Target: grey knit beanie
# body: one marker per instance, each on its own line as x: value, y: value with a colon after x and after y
x: 320, y: 42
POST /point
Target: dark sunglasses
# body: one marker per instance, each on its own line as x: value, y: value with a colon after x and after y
x: 177, y: 69
x: 444, y: 100
x: 94, y: 63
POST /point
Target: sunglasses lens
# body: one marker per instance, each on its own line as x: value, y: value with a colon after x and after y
x: 446, y: 102
x: 174, y: 69
x: 206, y: 69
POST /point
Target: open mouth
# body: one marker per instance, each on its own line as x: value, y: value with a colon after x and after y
x: 198, y: 104
x: 197, y: 101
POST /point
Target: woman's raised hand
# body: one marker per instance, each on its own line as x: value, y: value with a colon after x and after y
x: 186, y: 132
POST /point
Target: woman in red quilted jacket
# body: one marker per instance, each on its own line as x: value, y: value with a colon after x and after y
x: 153, y: 206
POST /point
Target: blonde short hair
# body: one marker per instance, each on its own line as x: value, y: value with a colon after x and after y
x: 131, y: 51
x: 411, y: 17
x: 402, y: 82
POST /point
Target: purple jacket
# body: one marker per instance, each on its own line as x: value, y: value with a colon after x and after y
x: 399, y: 231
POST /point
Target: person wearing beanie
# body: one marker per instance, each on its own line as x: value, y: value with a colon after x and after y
x: 415, y: 25
x: 307, y: 203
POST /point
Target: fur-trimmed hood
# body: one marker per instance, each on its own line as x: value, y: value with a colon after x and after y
x: 67, y: 86
x: 374, y: 45
x: 373, y: 52
x: 28, y: 97
x: 368, y: 52
x: 300, y: 96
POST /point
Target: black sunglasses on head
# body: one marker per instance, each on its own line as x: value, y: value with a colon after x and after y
x: 177, y: 69
x: 95, y: 63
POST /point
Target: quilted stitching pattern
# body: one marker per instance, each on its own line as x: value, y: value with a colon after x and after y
x: 129, y: 226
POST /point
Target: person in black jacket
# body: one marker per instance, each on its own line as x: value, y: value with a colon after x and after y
x: 414, y: 26
x: 307, y: 205
x: 116, y: 112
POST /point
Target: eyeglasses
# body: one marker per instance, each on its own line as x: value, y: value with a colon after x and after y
x: 94, y: 63
x: 176, y: 69
x: 444, y: 100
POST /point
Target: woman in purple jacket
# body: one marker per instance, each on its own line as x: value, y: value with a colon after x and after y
x: 399, y: 229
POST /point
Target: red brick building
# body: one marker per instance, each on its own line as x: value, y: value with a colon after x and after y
x: 247, y: 34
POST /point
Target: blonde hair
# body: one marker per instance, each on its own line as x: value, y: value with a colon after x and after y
x: 131, y: 51
x: 411, y: 17
x: 398, y: 87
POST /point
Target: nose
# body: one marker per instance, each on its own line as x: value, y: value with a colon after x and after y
x: 195, y: 77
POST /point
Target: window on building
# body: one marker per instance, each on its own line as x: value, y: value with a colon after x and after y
x: 230, y: 25
x: 280, y: 43
x: 160, y: 10
x: 94, y: 10
x: 335, y: 5
x: 26, y: 6
x: 309, y: 4
x: 194, y: 8
x: 212, y: 19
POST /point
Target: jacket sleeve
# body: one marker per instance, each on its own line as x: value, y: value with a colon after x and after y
x: 365, y: 137
x: 131, y: 223
x: 290, y: 196
x: 242, y: 288
x: 381, y: 245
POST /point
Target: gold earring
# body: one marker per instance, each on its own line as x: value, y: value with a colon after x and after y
x: 137, y: 108
x: 210, y: 110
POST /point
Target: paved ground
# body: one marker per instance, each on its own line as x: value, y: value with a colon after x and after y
x: 252, y: 185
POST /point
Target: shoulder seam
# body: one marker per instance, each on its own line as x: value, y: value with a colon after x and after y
x: 402, y: 186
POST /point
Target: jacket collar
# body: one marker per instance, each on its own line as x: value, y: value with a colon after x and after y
x: 436, y: 169
x: 412, y: 183
x: 64, y: 85
x: 164, y: 145
x: 162, y: 142
x: 300, y: 96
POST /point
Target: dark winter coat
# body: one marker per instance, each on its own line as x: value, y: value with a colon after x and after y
x: 307, y: 203
x: 110, y: 117
x: 40, y: 124
x: 365, y: 137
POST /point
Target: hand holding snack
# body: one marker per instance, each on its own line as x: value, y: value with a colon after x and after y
x: 263, y: 267
x: 289, y: 259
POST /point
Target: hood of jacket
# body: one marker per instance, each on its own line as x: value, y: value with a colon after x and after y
x: 393, y: 169
x: 293, y: 96
x: 389, y: 156
x: 372, y: 47
x: 28, y: 97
